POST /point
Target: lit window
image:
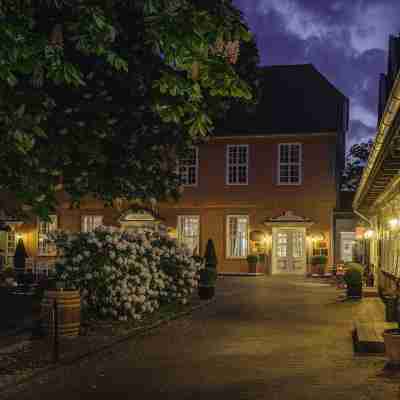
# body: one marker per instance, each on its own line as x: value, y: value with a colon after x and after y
x: 189, y: 232
x: 91, y: 222
x: 289, y: 164
x: 237, y: 164
x: 46, y: 247
x: 237, y: 236
x: 298, y: 244
x: 188, y: 166
x: 282, y: 247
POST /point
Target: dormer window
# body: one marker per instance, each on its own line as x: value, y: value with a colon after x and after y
x: 289, y: 164
x: 188, y: 167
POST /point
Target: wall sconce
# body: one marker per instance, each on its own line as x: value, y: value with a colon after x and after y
x: 317, y: 237
x: 369, y: 233
x: 394, y: 223
x: 257, y: 236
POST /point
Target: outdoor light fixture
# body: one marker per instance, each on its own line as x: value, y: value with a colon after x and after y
x: 368, y: 234
x: 317, y: 237
x: 394, y: 223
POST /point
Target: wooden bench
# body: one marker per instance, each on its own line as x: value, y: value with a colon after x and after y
x: 369, y: 324
x: 369, y: 336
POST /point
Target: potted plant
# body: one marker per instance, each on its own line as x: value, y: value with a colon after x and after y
x: 318, y: 264
x: 208, y: 275
x: 20, y: 256
x: 252, y: 260
x: 353, y: 279
x: 391, y: 338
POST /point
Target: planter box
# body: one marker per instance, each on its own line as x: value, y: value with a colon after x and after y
x: 206, y: 292
x: 252, y: 267
x: 392, y: 346
x: 354, y: 292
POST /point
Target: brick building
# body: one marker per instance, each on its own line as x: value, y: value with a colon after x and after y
x: 266, y: 182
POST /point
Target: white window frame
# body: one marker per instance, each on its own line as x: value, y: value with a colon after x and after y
x: 228, y: 237
x: 180, y: 233
x: 196, y: 166
x: 43, y: 228
x: 91, y: 217
x: 289, y: 163
x: 237, y: 164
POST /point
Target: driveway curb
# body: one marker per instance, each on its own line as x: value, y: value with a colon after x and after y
x: 135, y: 332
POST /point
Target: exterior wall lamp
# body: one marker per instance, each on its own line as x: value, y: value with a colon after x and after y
x: 318, y: 237
x: 369, y: 233
x: 394, y: 223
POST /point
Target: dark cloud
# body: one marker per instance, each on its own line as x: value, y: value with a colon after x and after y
x: 346, y: 41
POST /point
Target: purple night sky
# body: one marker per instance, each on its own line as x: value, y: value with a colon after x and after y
x: 346, y: 40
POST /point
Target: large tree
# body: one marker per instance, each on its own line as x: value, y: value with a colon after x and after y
x: 356, y: 160
x: 104, y: 95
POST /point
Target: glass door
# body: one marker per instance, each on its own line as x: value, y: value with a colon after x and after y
x: 289, y: 251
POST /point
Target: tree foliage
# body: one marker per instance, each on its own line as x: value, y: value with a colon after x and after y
x: 356, y: 159
x: 103, y: 96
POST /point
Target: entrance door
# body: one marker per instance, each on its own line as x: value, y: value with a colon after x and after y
x: 347, y: 242
x: 289, y: 255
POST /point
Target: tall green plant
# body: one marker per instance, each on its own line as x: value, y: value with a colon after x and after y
x: 109, y: 108
x: 210, y: 255
x: 20, y: 255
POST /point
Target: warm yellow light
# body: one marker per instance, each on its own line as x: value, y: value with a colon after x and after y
x: 368, y: 234
x: 394, y: 223
x: 18, y: 236
x: 265, y: 239
x: 317, y: 237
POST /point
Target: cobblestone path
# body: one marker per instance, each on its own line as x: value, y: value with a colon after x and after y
x: 272, y: 338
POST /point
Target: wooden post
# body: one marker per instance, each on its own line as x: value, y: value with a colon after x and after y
x: 56, y: 354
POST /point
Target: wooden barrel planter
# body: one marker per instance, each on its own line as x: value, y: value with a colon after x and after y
x: 69, y: 312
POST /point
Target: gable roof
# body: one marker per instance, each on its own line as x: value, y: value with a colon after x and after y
x: 294, y: 99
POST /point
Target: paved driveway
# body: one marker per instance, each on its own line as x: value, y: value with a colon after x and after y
x: 264, y: 338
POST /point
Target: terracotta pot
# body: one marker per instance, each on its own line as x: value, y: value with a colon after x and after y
x: 252, y: 267
x: 354, y: 291
x: 391, y: 338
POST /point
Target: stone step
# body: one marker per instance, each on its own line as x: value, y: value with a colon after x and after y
x: 370, y: 292
x: 368, y: 336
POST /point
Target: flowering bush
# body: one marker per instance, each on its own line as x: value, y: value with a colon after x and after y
x: 125, y: 274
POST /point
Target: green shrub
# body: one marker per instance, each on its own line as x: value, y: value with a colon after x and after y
x: 252, y: 258
x: 208, y: 277
x: 210, y: 256
x: 319, y: 260
x: 20, y: 255
x: 353, y: 275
